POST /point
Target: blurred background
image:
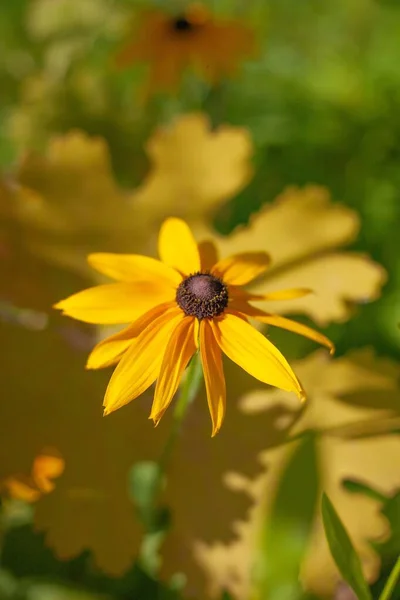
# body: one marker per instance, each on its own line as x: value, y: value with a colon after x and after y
x: 270, y: 125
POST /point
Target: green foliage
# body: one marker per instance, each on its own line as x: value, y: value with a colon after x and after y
x: 285, y: 536
x: 343, y: 551
x: 321, y: 102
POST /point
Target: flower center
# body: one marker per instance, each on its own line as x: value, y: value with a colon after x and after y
x: 182, y: 24
x: 202, y: 295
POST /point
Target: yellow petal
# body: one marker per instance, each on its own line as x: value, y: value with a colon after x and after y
x: 239, y: 269
x: 134, y: 267
x: 240, y: 305
x: 115, y: 302
x: 208, y: 255
x: 254, y: 353
x: 283, y: 323
x: 213, y: 371
x: 110, y: 350
x: 178, y: 352
x: 140, y: 365
x: 177, y: 247
x: 290, y: 294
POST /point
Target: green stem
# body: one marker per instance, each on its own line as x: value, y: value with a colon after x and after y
x: 188, y: 393
x: 391, y: 582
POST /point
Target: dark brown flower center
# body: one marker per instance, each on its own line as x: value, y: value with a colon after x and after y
x: 202, y: 295
x: 182, y: 24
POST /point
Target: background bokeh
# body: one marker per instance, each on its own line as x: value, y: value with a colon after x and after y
x: 296, y: 154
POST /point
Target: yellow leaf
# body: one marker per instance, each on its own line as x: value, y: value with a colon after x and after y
x: 303, y: 232
x: 70, y: 205
x: 352, y: 401
x: 194, y: 168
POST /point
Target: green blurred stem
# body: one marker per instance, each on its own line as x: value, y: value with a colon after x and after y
x: 391, y: 582
x: 188, y: 393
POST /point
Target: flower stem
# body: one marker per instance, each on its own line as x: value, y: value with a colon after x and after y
x: 188, y: 393
x: 391, y: 582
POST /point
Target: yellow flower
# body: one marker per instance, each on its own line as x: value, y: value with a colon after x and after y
x: 186, y: 302
x: 170, y: 43
x: 47, y: 466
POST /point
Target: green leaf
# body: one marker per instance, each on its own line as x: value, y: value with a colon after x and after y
x: 342, y: 550
x: 287, y: 531
x: 391, y: 547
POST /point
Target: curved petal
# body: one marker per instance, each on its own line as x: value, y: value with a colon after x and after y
x: 283, y: 323
x: 115, y: 302
x: 278, y: 321
x: 241, y: 294
x: 140, y: 365
x: 254, y: 353
x: 110, y: 350
x: 208, y: 255
x: 178, y: 352
x: 240, y: 269
x: 177, y: 247
x: 134, y: 267
x: 213, y: 370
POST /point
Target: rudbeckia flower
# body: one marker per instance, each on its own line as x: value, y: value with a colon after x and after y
x: 170, y: 43
x: 188, y: 301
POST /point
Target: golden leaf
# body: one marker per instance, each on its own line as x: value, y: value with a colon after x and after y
x: 70, y: 205
x: 353, y: 402
x: 303, y: 231
x: 194, y: 168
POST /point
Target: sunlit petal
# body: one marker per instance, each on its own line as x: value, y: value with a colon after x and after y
x: 115, y: 302
x: 213, y: 371
x: 291, y: 294
x: 254, y: 353
x: 177, y: 247
x: 240, y: 269
x: 134, y: 267
x: 308, y: 332
x: 110, y: 350
x: 278, y: 321
x: 140, y: 365
x: 178, y: 352
x: 287, y: 294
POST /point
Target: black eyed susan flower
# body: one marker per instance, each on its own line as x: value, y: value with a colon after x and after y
x: 188, y: 301
x: 170, y: 43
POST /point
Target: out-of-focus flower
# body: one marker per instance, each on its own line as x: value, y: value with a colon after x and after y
x: 189, y: 299
x: 47, y: 466
x: 70, y: 205
x: 303, y: 231
x: 170, y: 43
x: 353, y: 403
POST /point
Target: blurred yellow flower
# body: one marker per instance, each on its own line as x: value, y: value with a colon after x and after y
x: 193, y: 37
x: 187, y: 301
x: 47, y: 466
